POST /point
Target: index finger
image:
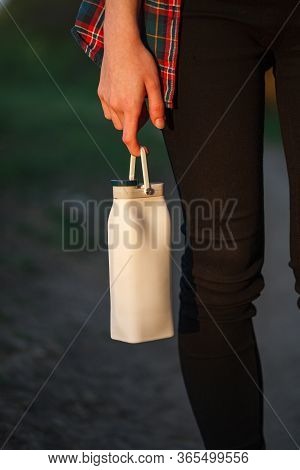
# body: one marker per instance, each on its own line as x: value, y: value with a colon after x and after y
x: 130, y: 130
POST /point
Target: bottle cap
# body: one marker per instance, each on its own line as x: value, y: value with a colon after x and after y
x: 124, y: 182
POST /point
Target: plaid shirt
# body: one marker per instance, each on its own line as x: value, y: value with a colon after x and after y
x: 161, y: 19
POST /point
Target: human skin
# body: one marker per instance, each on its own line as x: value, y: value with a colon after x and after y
x: 128, y: 75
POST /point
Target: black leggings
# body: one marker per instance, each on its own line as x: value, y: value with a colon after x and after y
x: 220, y: 118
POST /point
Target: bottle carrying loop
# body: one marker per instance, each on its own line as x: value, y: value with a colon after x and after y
x: 147, y: 186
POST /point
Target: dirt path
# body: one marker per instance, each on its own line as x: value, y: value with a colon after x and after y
x: 104, y: 394
x: 107, y: 394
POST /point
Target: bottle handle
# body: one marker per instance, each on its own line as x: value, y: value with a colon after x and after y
x: 147, y: 186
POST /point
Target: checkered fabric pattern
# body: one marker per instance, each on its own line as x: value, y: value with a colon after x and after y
x: 160, y: 31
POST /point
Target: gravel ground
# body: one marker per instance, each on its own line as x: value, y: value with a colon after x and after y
x: 105, y: 394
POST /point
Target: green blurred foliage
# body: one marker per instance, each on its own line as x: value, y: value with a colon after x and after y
x: 47, y: 19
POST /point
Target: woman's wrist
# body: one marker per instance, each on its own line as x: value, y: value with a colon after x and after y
x: 119, y: 42
x: 121, y: 25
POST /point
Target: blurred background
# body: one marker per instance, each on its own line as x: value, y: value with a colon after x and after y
x: 102, y: 394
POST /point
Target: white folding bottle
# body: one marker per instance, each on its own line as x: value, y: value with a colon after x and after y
x: 139, y: 238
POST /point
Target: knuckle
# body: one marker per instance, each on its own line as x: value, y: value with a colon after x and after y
x: 157, y: 109
x: 134, y: 110
x: 153, y: 84
x: 100, y: 93
x: 115, y: 104
x: 126, y: 139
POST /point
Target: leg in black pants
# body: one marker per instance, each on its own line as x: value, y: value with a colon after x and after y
x: 221, y: 44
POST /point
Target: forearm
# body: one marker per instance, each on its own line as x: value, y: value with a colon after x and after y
x: 129, y: 73
x: 121, y: 21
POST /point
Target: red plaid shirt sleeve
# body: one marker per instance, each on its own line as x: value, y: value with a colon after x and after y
x: 160, y: 33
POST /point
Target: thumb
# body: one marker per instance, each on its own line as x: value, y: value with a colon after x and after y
x: 156, y: 104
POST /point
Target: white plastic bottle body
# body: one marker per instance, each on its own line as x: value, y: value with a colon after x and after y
x: 139, y: 232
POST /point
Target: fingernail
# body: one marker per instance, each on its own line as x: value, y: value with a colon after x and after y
x: 160, y: 123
